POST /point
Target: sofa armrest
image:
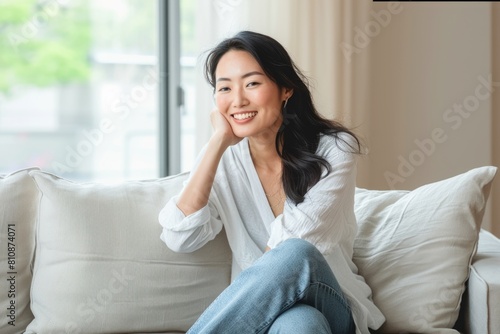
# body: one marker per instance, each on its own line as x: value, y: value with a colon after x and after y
x: 483, y: 302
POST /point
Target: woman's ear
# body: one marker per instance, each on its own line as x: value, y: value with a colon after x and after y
x: 288, y: 92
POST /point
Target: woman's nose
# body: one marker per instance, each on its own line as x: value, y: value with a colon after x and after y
x: 239, y: 99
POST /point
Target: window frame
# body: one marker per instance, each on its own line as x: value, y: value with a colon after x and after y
x: 170, y: 91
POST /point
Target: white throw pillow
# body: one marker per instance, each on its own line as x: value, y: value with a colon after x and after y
x: 414, y: 248
x: 101, y: 267
x: 18, y: 209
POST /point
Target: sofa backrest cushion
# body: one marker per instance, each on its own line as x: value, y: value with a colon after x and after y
x: 101, y: 267
x: 18, y: 210
x: 414, y: 248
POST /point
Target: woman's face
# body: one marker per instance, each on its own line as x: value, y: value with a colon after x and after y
x: 250, y: 101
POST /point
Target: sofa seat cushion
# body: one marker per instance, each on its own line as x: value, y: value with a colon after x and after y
x: 414, y: 249
x: 101, y: 267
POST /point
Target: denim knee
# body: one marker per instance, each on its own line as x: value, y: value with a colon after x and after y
x: 296, y: 248
x: 295, y: 258
x: 300, y: 318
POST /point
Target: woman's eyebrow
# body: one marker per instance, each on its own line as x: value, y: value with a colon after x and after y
x: 243, y: 76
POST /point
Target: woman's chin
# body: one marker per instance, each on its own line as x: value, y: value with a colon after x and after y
x: 254, y: 131
x: 242, y: 134
x: 242, y: 131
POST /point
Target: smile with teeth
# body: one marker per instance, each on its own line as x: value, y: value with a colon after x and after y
x: 245, y: 115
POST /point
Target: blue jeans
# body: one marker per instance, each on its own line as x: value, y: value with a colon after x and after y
x: 290, y: 289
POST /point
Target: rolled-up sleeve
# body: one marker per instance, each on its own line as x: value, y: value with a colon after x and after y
x: 186, y: 234
x: 327, y: 212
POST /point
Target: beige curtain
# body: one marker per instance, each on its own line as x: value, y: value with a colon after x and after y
x: 318, y: 34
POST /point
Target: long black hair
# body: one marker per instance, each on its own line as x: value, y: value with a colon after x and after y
x: 299, y: 135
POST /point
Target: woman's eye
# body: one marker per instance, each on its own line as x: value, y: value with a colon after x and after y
x: 223, y: 89
x: 252, y: 84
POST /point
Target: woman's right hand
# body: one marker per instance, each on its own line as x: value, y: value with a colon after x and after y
x: 223, y: 129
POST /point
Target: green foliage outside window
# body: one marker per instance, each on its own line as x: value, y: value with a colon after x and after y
x: 43, y: 43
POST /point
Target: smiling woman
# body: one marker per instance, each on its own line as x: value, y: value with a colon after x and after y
x: 269, y: 179
x: 244, y: 95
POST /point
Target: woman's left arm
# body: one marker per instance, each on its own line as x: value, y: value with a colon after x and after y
x: 327, y: 212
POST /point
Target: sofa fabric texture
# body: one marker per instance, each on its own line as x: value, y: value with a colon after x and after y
x: 89, y: 259
x: 483, y: 302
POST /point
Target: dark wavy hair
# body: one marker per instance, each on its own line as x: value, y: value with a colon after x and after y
x: 299, y: 135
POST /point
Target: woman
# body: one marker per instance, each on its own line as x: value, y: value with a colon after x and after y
x: 281, y: 181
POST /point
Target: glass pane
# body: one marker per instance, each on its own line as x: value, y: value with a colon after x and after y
x: 79, y: 88
x: 189, y: 74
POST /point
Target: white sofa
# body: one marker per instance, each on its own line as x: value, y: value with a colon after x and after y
x: 87, y: 258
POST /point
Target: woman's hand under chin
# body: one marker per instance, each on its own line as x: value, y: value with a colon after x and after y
x: 223, y: 129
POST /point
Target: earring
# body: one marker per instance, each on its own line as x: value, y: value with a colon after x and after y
x: 284, y: 106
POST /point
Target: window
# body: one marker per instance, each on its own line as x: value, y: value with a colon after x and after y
x: 79, y: 90
x: 188, y: 76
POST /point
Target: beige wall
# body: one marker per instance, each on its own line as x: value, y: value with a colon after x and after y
x: 495, y: 124
x: 425, y: 65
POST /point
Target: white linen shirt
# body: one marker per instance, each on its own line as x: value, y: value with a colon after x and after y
x: 325, y: 218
